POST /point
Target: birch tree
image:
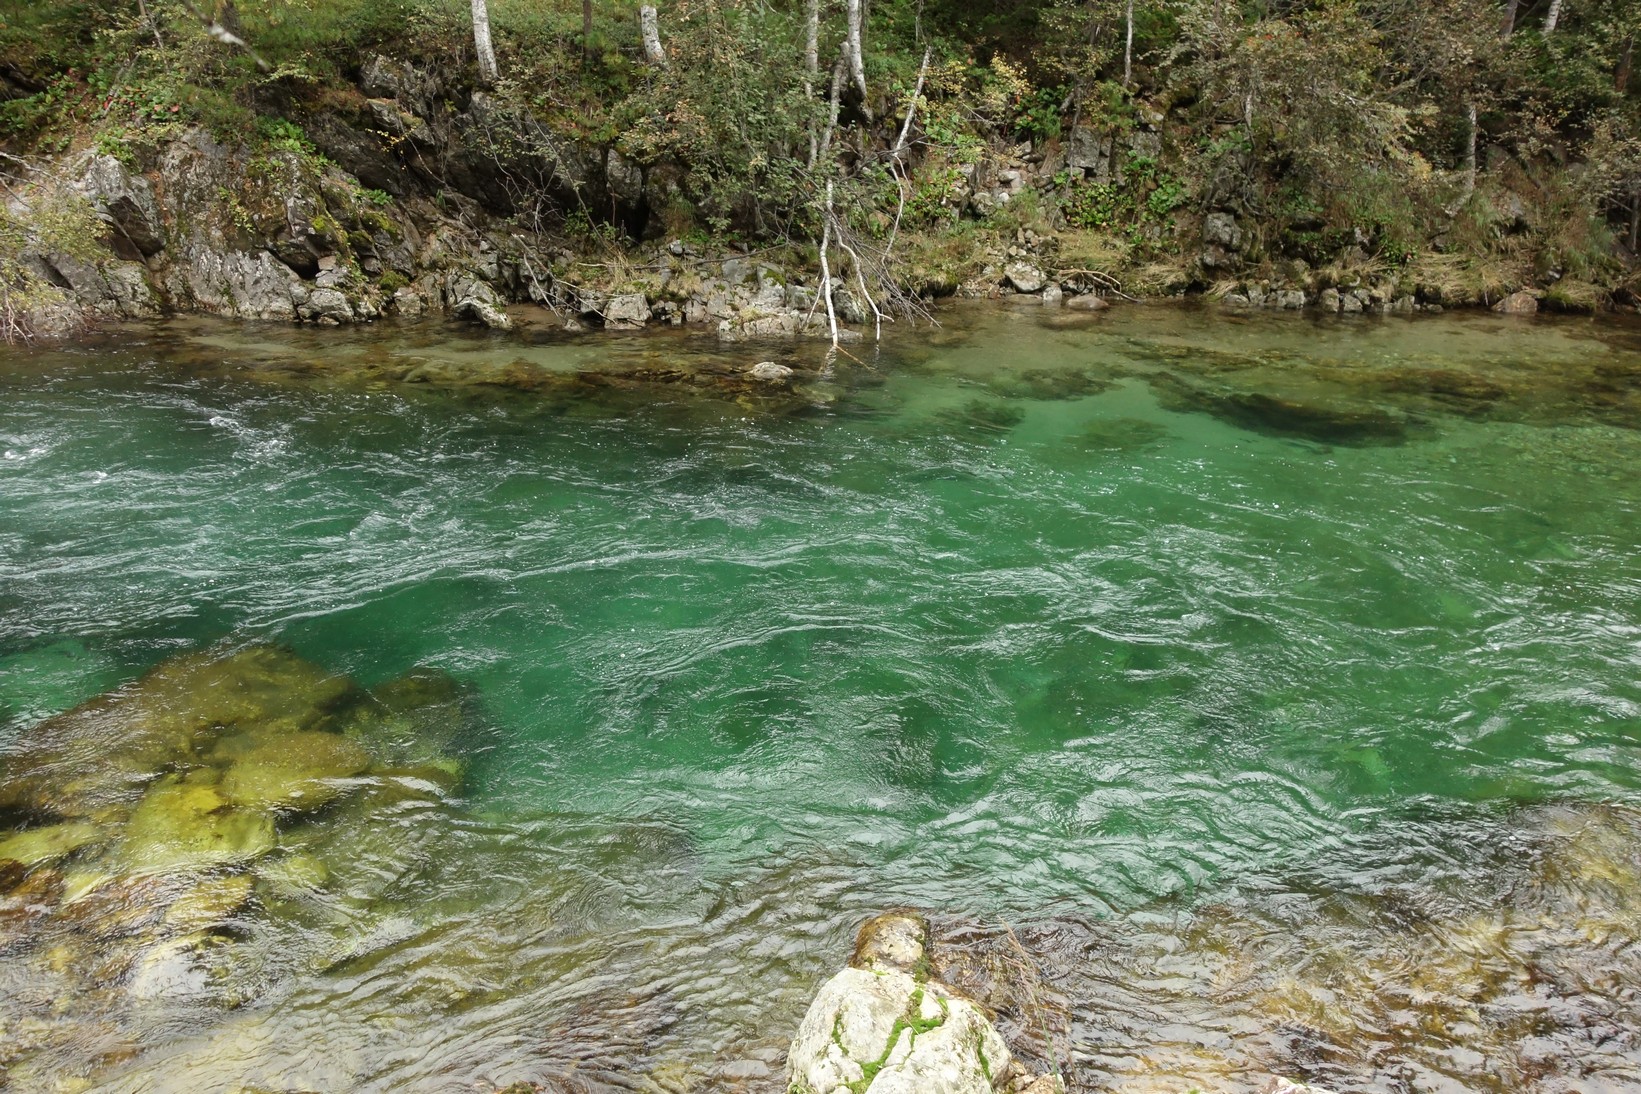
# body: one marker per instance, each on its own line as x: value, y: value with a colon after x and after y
x: 1552, y: 17
x: 488, y: 72
x: 649, y: 24
x: 1128, y: 47
x: 852, y: 51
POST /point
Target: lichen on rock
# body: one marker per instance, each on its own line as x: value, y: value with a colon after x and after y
x: 881, y: 1027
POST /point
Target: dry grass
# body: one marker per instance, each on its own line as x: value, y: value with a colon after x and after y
x: 1571, y: 294
x: 1462, y: 279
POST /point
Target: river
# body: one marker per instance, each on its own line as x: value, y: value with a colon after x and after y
x: 1275, y: 681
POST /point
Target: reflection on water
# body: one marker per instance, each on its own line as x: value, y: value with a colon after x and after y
x: 415, y: 710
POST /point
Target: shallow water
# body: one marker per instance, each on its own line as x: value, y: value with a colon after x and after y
x: 1245, y: 667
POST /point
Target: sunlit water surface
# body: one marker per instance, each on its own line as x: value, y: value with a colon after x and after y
x: 1253, y: 733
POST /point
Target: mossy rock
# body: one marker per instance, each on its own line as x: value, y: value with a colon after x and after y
x: 985, y: 415
x: 210, y: 904
x: 1048, y: 384
x: 182, y: 823
x: 48, y: 844
x: 107, y: 750
x: 299, y: 770
x: 1316, y: 416
x: 149, y: 906
x: 1122, y: 434
x: 413, y: 720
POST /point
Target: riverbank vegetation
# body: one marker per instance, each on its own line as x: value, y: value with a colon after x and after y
x: 1456, y: 150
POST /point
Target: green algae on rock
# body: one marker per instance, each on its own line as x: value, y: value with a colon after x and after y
x: 187, y: 822
x: 105, y: 752
x: 34, y: 846
x: 298, y: 770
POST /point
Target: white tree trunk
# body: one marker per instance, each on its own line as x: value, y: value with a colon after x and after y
x: 811, y: 67
x: 481, y: 44
x: 811, y: 40
x: 1469, y: 190
x: 1553, y: 17
x: 1128, y: 48
x: 857, y: 64
x: 648, y: 22
x: 911, y: 111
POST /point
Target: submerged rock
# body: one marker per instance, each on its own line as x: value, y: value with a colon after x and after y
x: 297, y: 771
x: 1048, y: 384
x: 187, y: 822
x: 1122, y: 434
x: 40, y: 845
x: 412, y: 721
x: 986, y: 415
x: 106, y: 751
x: 1315, y: 417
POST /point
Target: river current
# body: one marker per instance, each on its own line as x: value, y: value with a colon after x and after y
x: 1272, y: 685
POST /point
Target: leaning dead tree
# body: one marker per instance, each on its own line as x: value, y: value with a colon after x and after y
x: 649, y: 23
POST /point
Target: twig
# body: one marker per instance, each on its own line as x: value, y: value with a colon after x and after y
x: 861, y: 278
x: 911, y: 111
x: 152, y: 24
x: 524, y: 253
x: 826, y: 269
x: 225, y: 36
x: 1036, y: 1004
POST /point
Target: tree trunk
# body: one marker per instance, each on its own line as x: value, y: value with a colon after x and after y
x: 811, y: 66
x: 1510, y: 9
x: 586, y: 29
x: 1552, y: 18
x: 1621, y: 76
x: 911, y: 111
x: 1128, y: 47
x: 649, y: 23
x: 832, y: 103
x: 1469, y: 190
x: 1635, y: 217
x: 857, y: 64
x: 481, y: 44
x: 811, y: 41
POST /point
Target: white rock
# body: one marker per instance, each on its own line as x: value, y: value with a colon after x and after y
x: 626, y: 312
x: 1025, y: 277
x: 918, y: 1038
x: 771, y: 372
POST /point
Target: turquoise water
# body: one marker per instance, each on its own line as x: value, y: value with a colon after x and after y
x: 992, y: 623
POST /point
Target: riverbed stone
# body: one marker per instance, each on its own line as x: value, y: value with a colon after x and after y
x: 629, y: 311
x: 104, y: 752
x: 1088, y: 302
x: 50, y: 843
x: 891, y: 942
x: 1024, y: 277
x: 184, y: 822
x: 771, y: 372
x: 1517, y: 303
x: 294, y: 771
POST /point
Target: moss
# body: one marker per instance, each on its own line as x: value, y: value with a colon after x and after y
x: 392, y: 281
x: 911, y: 1023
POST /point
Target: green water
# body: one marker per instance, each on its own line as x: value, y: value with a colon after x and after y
x: 992, y: 622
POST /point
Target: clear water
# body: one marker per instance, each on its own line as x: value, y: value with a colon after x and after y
x: 992, y: 623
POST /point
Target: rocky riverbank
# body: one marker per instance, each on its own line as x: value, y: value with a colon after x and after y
x: 408, y: 197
